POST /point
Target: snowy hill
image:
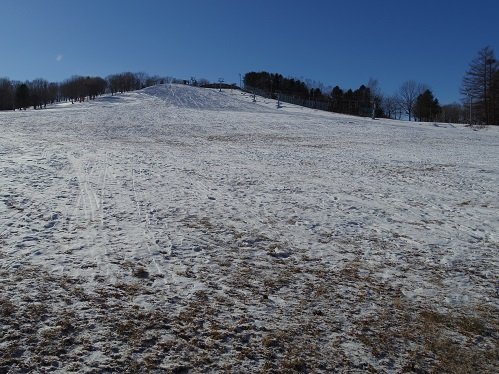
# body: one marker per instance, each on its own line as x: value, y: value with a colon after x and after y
x: 199, y: 98
x: 180, y: 228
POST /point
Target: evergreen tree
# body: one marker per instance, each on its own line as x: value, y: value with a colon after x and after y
x: 427, y: 107
x: 270, y: 84
x: 337, y: 99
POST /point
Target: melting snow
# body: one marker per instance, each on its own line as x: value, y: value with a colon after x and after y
x: 238, y: 230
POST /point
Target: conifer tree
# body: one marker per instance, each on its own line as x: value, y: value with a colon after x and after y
x: 478, y: 86
x: 427, y: 107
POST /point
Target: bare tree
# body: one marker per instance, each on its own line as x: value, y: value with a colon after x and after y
x: 141, y: 78
x: 376, y: 96
x: 495, y: 97
x: 153, y: 80
x: 391, y: 106
x: 53, y: 92
x: 453, y: 113
x: 6, y: 94
x: 39, y: 93
x: 408, y: 94
x: 373, y: 86
x: 203, y: 82
x: 22, y: 97
x: 477, y: 85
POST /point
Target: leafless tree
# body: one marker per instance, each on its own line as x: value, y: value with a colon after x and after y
x: 142, y: 79
x: 79, y: 88
x: 203, y: 81
x: 376, y: 95
x: 453, y: 113
x: 6, y: 94
x: 39, y: 93
x: 477, y: 86
x: 391, y: 106
x: 54, y: 93
x: 408, y: 94
x: 153, y: 80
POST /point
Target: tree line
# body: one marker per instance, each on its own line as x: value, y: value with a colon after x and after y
x: 39, y: 93
x: 364, y: 101
x: 413, y: 100
x: 276, y: 83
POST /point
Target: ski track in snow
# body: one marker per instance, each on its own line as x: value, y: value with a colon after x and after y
x: 194, y: 190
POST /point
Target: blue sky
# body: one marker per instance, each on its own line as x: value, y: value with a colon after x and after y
x: 336, y: 42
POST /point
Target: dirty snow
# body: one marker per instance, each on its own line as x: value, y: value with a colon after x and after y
x: 181, y: 229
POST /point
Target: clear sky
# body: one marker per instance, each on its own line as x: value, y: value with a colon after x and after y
x: 336, y: 42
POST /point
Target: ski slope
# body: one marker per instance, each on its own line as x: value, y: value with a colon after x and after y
x: 179, y: 228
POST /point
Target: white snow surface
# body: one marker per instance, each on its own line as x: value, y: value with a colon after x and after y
x: 240, y: 218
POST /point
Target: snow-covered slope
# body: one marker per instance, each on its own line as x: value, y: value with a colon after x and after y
x: 195, y: 98
x: 185, y: 228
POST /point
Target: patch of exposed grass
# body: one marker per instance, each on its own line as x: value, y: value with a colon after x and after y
x: 7, y: 308
x: 434, y: 341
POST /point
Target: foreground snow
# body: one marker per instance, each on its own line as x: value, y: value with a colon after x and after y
x: 177, y: 228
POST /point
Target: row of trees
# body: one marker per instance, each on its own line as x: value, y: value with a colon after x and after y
x: 18, y: 95
x: 356, y: 102
x: 78, y: 88
x: 361, y: 102
x: 39, y: 92
x: 276, y: 83
x: 480, y: 90
x: 413, y: 100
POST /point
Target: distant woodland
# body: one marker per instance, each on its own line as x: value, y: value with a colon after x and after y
x: 413, y: 100
x: 39, y: 93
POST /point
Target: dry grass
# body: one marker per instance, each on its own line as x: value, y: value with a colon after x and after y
x: 454, y: 342
x: 243, y: 328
